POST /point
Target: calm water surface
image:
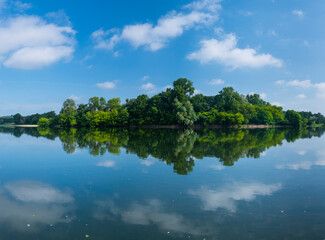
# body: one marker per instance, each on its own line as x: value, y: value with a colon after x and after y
x: 162, y: 184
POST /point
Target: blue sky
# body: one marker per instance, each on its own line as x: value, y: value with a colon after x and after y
x: 54, y: 50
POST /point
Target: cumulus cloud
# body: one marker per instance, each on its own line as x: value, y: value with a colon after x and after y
x: 29, y: 42
x: 154, y: 37
x: 226, y: 197
x: 216, y: 81
x: 227, y: 53
x: 298, y: 13
x: 106, y: 85
x: 28, y: 198
x: 29, y: 191
x: 37, y: 57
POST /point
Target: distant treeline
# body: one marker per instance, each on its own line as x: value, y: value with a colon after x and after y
x: 175, y: 106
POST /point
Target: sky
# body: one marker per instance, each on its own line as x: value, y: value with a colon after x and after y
x: 54, y: 50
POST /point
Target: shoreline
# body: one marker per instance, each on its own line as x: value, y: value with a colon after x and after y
x: 253, y: 126
x: 247, y: 126
x: 26, y: 126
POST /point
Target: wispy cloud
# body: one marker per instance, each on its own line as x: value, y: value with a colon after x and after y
x: 149, y: 87
x: 216, y: 81
x: 75, y: 98
x: 106, y: 85
x: 301, y: 96
x: 154, y: 37
x: 144, y: 78
x: 298, y: 13
x: 106, y: 164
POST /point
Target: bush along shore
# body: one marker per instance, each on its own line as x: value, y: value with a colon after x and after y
x: 175, y: 106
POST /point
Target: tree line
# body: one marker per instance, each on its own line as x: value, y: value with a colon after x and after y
x: 175, y: 106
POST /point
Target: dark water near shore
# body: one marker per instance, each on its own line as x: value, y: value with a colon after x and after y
x: 162, y: 184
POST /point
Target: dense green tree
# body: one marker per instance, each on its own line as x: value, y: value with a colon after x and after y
x: 183, y: 89
x: 228, y: 100
x: 185, y: 114
x: 293, y: 118
x: 43, y: 122
x: 18, y: 119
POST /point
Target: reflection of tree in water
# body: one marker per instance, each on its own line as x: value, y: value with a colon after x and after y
x: 172, y: 146
x: 175, y: 147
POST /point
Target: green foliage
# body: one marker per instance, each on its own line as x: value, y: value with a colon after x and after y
x: 175, y: 105
x: 220, y: 118
x: 185, y: 114
x: 293, y: 118
x: 43, y: 122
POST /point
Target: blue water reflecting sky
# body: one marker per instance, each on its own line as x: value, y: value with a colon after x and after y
x: 46, y: 193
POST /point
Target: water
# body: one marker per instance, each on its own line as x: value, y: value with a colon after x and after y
x: 162, y: 184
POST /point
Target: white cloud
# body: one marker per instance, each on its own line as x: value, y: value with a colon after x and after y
x: 216, y: 81
x: 37, y: 57
x: 154, y: 37
x: 149, y: 87
x: 218, y: 167
x: 148, y: 212
x: 19, y: 201
x: 277, y: 104
x: 106, y: 85
x: 144, y: 78
x: 100, y: 36
x: 262, y: 95
x: 227, y: 196
x: 320, y: 88
x: 147, y: 162
x: 28, y: 191
x: 29, y: 42
x: 297, y: 83
x: 210, y: 5
x: 226, y: 52
x: 305, y: 165
x: 301, y: 153
x: 75, y: 98
x: 298, y: 13
x: 107, y: 164
x: 301, y: 96
x: 20, y: 6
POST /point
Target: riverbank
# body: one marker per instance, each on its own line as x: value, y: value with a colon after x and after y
x: 208, y: 126
x: 27, y: 126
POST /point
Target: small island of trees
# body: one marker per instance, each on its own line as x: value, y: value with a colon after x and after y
x: 175, y: 106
